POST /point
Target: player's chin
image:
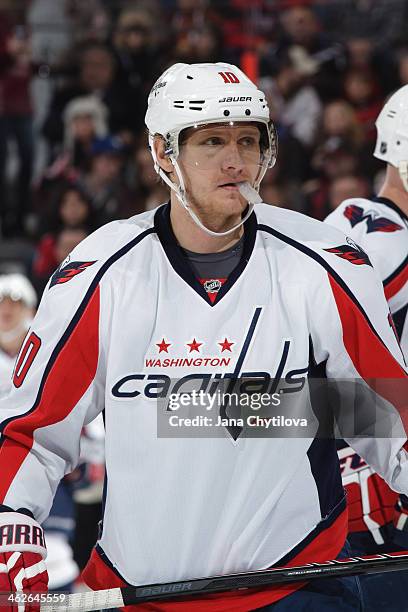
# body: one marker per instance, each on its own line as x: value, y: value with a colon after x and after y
x: 231, y: 201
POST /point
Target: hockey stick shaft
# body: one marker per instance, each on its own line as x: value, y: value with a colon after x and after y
x: 124, y: 596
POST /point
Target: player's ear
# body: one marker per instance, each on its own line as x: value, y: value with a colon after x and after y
x: 163, y: 159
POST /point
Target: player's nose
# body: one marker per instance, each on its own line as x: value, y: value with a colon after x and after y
x: 232, y: 158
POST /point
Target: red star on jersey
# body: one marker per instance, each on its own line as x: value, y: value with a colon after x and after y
x: 163, y: 346
x: 226, y: 346
x: 194, y: 346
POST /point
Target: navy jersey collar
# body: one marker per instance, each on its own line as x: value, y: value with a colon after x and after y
x: 180, y: 263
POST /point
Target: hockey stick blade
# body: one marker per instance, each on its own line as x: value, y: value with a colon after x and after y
x: 125, y: 596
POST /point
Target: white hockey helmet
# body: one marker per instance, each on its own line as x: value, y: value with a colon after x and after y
x: 18, y: 288
x: 392, y: 133
x: 194, y: 95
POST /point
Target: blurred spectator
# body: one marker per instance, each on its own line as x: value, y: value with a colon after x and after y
x: 138, y: 54
x: 71, y: 209
x: 97, y: 67
x: 67, y: 239
x: 301, y: 26
x: 348, y: 186
x: 91, y: 17
x: 402, y: 65
x: 75, y: 209
x: 383, y: 21
x: 16, y: 124
x: 247, y: 26
x: 293, y: 102
x: 198, y: 45
x: 104, y: 183
x: 334, y: 159
x: 193, y: 14
x: 340, y: 121
x: 360, y: 53
x: 362, y: 90
x: 85, y: 119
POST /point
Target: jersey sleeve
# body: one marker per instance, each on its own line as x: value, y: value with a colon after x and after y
x: 58, y: 386
x: 355, y: 339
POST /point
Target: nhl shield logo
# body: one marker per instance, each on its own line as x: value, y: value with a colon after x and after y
x: 212, y: 286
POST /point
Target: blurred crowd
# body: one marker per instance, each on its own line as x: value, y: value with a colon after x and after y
x: 77, y: 157
x: 74, y: 80
x: 73, y: 147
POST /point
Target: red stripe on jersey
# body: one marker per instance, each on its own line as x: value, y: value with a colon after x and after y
x: 392, y: 288
x: 327, y: 545
x: 372, y: 360
x: 69, y: 377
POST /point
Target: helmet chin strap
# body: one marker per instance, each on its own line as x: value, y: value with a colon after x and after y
x: 246, y: 190
x: 403, y: 172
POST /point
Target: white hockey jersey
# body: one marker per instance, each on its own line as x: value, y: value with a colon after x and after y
x: 122, y: 322
x: 381, y: 229
x: 6, y: 371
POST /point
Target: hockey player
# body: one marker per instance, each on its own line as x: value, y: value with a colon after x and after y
x: 380, y: 227
x: 17, y: 304
x: 211, y: 289
x: 17, y: 308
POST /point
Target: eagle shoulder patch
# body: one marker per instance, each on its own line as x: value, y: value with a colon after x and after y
x: 374, y: 221
x: 352, y: 252
x: 67, y: 272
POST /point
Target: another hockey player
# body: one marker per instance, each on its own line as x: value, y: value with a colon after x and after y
x: 380, y: 227
x: 17, y: 306
x: 206, y: 290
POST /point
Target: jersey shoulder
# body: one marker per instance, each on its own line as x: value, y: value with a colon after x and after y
x: 373, y: 216
x: 378, y: 228
x: 106, y: 243
x: 298, y: 227
x: 86, y: 265
x: 110, y: 238
x: 321, y: 250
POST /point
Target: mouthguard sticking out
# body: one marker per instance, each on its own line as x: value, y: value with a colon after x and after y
x: 249, y: 193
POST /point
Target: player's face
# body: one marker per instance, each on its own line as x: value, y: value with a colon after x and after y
x: 12, y: 313
x: 214, y: 160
